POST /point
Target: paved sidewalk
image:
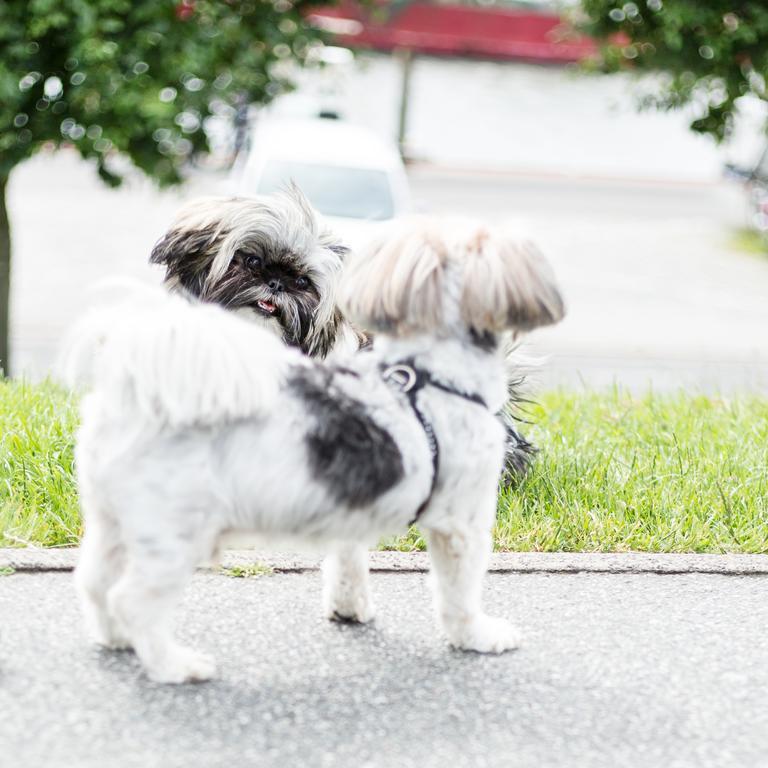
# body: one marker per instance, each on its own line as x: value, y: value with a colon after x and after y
x: 617, y: 669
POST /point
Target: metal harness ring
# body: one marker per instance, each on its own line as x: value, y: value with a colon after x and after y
x: 402, y: 375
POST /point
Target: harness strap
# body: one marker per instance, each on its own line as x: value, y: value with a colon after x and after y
x: 410, y: 380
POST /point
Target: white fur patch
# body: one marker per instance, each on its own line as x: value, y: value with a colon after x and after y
x: 203, y: 366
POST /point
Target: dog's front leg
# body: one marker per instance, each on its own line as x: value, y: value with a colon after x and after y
x: 459, y: 561
x: 346, y: 591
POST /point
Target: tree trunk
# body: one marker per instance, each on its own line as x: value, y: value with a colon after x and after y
x: 5, y: 280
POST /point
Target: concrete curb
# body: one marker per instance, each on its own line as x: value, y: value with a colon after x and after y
x: 46, y: 560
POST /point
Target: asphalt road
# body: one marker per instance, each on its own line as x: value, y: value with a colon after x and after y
x: 658, y: 294
x: 616, y: 670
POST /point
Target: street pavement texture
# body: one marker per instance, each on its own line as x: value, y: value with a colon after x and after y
x: 633, y: 670
x: 657, y: 292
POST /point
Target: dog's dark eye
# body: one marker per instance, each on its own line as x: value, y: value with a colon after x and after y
x: 253, y: 262
x: 302, y: 282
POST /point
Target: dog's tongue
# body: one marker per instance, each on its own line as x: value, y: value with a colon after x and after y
x: 267, y: 306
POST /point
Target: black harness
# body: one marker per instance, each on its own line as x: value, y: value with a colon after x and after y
x: 409, y: 380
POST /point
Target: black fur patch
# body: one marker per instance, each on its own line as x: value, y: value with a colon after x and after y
x: 485, y: 340
x: 518, y: 453
x: 357, y: 459
x: 187, y: 255
x: 318, y: 341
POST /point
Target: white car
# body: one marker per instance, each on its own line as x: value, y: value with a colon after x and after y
x: 351, y: 176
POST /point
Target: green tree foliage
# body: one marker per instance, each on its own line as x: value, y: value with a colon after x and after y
x: 136, y: 78
x: 710, y: 53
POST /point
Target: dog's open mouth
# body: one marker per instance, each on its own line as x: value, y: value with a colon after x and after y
x: 267, y: 307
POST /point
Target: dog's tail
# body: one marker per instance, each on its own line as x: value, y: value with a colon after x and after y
x: 176, y: 362
x: 519, y: 451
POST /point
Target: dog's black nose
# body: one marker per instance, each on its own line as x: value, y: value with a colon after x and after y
x: 275, y: 285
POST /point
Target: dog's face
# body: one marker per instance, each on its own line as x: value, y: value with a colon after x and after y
x: 267, y: 257
x: 451, y: 279
x: 273, y: 282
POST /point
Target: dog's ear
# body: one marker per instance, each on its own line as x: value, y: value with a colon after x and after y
x: 507, y: 284
x: 188, y: 248
x: 187, y: 256
x: 184, y: 245
x: 396, y: 286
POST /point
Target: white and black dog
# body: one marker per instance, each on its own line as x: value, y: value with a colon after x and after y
x: 271, y: 260
x: 198, y: 425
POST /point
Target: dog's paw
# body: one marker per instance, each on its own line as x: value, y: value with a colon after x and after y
x: 104, y: 634
x: 355, y: 609
x: 113, y: 643
x: 487, y: 634
x: 184, y: 666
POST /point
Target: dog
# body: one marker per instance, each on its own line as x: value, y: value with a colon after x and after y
x: 198, y: 425
x: 270, y: 259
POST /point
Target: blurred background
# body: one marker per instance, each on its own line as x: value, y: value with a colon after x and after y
x: 627, y: 139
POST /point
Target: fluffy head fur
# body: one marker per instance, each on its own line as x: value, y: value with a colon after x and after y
x: 437, y: 277
x: 267, y: 256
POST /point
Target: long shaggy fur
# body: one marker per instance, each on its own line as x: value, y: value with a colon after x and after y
x: 506, y: 283
x: 194, y: 373
x: 267, y: 257
x: 199, y: 425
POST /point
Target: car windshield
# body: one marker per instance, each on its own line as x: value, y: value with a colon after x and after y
x: 335, y: 190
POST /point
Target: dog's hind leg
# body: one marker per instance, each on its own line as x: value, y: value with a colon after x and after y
x: 346, y: 591
x: 101, y: 562
x: 143, y: 602
x: 459, y: 561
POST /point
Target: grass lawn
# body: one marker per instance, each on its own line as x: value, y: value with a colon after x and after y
x: 749, y: 241
x: 38, y: 499
x: 657, y: 473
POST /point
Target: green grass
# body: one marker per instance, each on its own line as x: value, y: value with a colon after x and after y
x: 749, y: 241
x: 681, y: 473
x: 38, y: 502
x: 248, y: 571
x: 658, y: 473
